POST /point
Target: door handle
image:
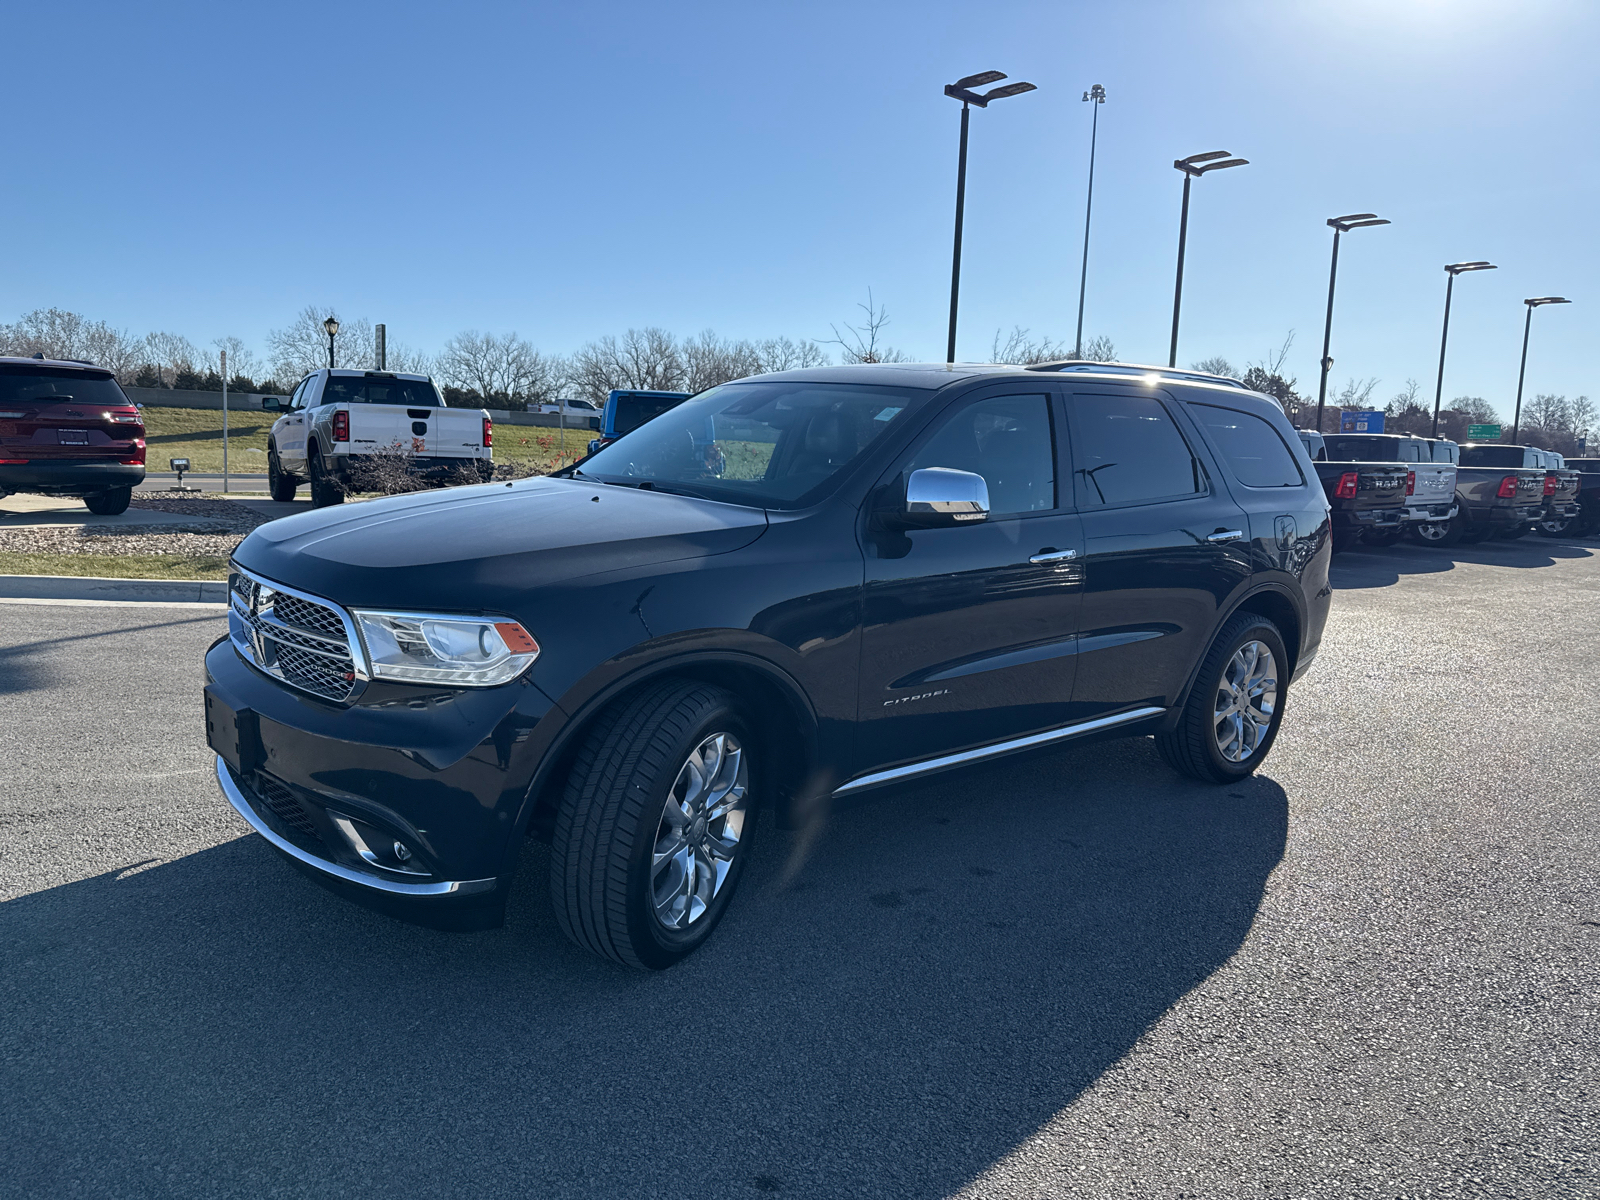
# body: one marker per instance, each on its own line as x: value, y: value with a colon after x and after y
x: 1050, y: 556
x: 1224, y: 535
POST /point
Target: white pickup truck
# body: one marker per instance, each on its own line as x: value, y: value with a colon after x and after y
x: 338, y: 422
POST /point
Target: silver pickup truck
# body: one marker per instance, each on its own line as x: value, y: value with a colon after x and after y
x: 1430, y: 501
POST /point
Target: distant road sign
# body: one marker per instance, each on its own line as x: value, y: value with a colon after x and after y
x: 1482, y: 433
x: 1361, y: 422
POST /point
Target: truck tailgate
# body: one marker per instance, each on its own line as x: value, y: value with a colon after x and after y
x: 1436, y: 483
x: 429, y: 432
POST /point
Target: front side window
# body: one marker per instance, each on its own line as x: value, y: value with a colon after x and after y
x: 1006, y: 439
x: 1251, y: 446
x: 778, y: 445
x: 1128, y: 450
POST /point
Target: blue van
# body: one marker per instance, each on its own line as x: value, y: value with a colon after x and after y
x: 627, y: 410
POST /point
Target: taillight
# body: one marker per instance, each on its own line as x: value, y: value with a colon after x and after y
x: 1549, y: 485
x: 488, y: 432
x: 138, y: 454
x: 1411, y: 482
x: 1508, y: 487
x: 341, y: 427
x: 1347, y: 486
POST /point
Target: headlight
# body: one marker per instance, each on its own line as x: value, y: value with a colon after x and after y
x: 463, y: 651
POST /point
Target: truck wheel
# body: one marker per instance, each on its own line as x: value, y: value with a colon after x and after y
x: 110, y: 502
x: 325, y: 490
x: 1472, y: 532
x: 1232, y: 715
x: 1381, y: 537
x: 279, y: 485
x: 1434, y: 533
x: 654, y: 829
x: 1556, y: 527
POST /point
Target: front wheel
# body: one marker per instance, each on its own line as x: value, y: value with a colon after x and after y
x: 325, y: 489
x: 280, y: 485
x: 1434, y: 533
x: 110, y: 502
x: 1233, y: 712
x: 653, y: 832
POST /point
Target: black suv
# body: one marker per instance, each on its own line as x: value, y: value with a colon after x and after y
x: 787, y: 590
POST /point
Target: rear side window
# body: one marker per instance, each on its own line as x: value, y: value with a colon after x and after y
x: 1408, y: 452
x: 1127, y: 450
x: 1006, y: 439
x: 354, y: 389
x: 1445, y: 452
x: 1251, y: 446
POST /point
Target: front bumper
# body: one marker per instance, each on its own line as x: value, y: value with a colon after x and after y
x: 69, y: 476
x: 1430, y: 512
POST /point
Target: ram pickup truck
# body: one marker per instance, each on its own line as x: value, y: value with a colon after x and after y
x: 1430, y: 500
x: 1588, y: 519
x: 1367, y: 501
x: 1563, y: 486
x: 339, y: 425
x: 1498, y: 492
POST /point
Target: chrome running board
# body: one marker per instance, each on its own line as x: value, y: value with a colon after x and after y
x: 945, y: 761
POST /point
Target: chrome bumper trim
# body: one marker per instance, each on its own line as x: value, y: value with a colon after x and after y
x: 449, y: 888
x: 910, y: 770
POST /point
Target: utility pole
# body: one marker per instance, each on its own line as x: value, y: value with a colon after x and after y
x: 224, y: 421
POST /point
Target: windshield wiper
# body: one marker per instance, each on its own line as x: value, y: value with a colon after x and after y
x: 672, y: 489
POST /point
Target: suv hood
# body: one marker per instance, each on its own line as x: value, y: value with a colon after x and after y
x: 484, y: 546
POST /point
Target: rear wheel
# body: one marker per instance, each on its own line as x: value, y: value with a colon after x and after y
x: 653, y: 831
x: 1381, y: 537
x: 325, y: 489
x: 1233, y: 712
x: 1434, y: 533
x: 1557, y: 527
x: 1473, y: 532
x: 110, y: 502
x: 280, y: 485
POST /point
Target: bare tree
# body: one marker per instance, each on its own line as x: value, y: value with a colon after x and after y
x: 781, y: 354
x: 1020, y: 349
x: 647, y: 359
x: 242, y: 362
x: 709, y: 360
x: 1217, y: 365
x: 1355, y: 393
x: 1545, y: 411
x: 302, y: 346
x: 401, y: 357
x: 1098, y: 349
x: 863, y: 345
x: 171, y: 354
x: 56, y: 333
x: 503, y: 370
x: 1583, y: 416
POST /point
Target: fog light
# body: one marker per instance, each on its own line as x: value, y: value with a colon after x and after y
x: 402, y: 852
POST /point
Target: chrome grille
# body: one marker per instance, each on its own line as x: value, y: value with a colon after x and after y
x: 300, y: 640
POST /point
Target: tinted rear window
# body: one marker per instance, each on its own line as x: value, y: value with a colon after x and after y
x: 1129, y: 451
x: 1251, y: 446
x: 1491, y: 456
x: 634, y: 411
x: 20, y: 384
x: 348, y: 389
x: 1363, y: 449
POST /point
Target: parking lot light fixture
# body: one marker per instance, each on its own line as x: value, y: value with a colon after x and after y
x: 1095, y: 96
x: 1452, y: 270
x: 1339, y: 225
x: 1527, y: 325
x: 332, y: 326
x: 1192, y: 167
x: 962, y: 90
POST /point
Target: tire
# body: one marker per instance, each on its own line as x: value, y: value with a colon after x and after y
x: 109, y: 503
x: 630, y: 792
x: 1194, y: 747
x: 1435, y: 533
x: 1472, y: 532
x: 280, y: 485
x: 1557, y: 527
x: 1385, y: 537
x: 325, y: 490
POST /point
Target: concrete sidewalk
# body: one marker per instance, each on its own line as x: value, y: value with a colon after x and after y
x: 90, y: 589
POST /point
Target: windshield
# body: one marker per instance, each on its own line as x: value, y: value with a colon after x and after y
x: 21, y: 384
x: 355, y: 389
x: 1363, y: 449
x: 634, y: 411
x: 777, y: 445
x: 1491, y: 456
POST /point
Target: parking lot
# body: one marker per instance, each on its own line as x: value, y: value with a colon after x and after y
x: 1369, y: 971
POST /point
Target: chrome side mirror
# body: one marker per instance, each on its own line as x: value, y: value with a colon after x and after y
x: 938, y: 496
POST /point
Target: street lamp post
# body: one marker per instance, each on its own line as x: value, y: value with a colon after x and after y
x: 961, y: 90
x: 332, y: 326
x: 1453, y: 269
x: 1339, y: 225
x: 1193, y: 166
x: 1527, y: 325
x: 1096, y: 96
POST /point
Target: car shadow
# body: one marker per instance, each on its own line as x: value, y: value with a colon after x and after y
x: 888, y: 1014
x: 22, y: 668
x: 1382, y: 566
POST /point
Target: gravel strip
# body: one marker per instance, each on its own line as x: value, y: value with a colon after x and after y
x: 209, y: 514
x: 118, y: 540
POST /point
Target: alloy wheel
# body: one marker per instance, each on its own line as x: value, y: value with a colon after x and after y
x: 1247, y: 696
x: 699, y: 831
x: 1431, y: 531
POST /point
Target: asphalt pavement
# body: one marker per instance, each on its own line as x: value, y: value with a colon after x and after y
x: 1370, y: 971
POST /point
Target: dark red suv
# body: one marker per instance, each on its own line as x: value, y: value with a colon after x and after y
x: 67, y: 429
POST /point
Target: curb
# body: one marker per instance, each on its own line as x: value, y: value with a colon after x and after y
x: 91, y: 587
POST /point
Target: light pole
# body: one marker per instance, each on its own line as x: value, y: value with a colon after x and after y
x: 1194, y: 165
x: 1096, y: 96
x: 1339, y: 225
x: 1453, y: 269
x: 1527, y: 325
x: 961, y: 90
x: 332, y: 326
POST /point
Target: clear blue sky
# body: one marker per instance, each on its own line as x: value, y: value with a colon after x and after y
x: 570, y: 170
